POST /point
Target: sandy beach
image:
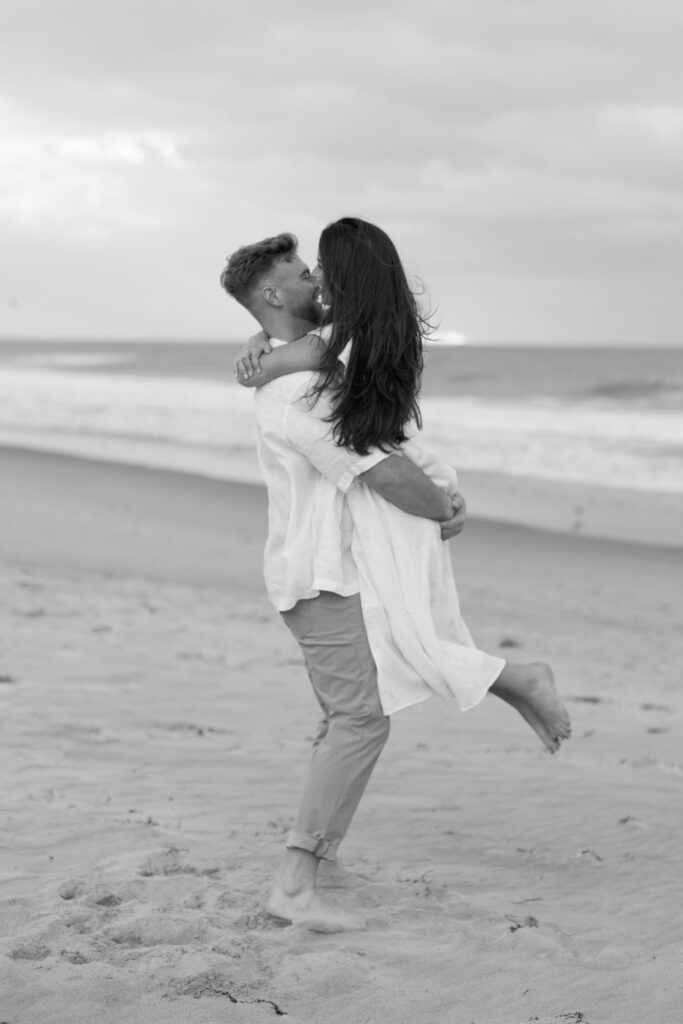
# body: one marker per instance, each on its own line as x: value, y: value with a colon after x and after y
x: 156, y: 717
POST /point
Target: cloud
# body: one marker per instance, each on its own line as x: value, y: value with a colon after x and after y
x: 86, y: 183
x: 528, y: 142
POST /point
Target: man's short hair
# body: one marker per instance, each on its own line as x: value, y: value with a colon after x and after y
x: 249, y: 265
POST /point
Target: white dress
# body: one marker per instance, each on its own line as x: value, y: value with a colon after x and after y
x: 418, y: 638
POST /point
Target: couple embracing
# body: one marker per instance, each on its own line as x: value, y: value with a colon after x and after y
x: 359, y: 508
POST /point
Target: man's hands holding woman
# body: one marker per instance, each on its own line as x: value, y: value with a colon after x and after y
x: 455, y: 525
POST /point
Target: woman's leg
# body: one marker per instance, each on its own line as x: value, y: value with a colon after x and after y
x: 530, y: 689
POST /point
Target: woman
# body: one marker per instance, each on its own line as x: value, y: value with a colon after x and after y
x: 419, y: 641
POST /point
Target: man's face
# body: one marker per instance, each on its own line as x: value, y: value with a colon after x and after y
x: 297, y: 289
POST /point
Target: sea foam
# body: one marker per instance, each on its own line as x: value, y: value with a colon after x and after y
x: 593, y: 442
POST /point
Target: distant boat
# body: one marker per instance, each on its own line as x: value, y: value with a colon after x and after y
x: 447, y: 338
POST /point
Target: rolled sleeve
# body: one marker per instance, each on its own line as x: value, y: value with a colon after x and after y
x: 307, y: 431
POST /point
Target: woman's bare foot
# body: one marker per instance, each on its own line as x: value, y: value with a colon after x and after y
x: 530, y: 689
x: 311, y: 911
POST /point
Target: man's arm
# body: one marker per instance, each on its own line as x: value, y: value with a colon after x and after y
x: 430, y: 462
x: 402, y: 483
x: 396, y: 478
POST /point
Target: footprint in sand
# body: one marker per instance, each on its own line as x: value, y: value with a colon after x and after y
x: 158, y: 930
x: 323, y: 975
x: 216, y: 983
x: 509, y: 641
x: 260, y: 921
x: 74, y: 956
x: 170, y: 862
x: 30, y: 951
x: 96, y: 895
x: 71, y: 889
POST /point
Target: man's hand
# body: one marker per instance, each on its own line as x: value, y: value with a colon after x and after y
x: 455, y: 525
x: 248, y: 361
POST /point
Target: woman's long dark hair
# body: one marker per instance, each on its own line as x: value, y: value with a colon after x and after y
x: 373, y: 306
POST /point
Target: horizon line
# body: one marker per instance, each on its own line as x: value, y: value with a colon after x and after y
x: 462, y: 342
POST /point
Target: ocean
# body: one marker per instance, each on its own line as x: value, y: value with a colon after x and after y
x: 608, y: 416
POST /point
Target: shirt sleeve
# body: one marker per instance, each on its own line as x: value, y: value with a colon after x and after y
x: 307, y: 431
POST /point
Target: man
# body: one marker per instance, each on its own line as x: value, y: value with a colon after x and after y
x: 310, y: 574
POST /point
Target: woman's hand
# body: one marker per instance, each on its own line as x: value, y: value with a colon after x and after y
x: 455, y: 525
x: 248, y: 361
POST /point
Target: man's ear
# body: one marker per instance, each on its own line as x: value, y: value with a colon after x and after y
x: 272, y: 296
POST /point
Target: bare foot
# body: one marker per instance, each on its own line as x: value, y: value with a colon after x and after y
x: 309, y: 910
x: 334, y: 876
x: 530, y: 689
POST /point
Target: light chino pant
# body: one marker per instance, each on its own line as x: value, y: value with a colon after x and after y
x: 353, y: 729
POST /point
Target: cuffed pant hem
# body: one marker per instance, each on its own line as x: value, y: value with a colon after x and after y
x: 317, y: 845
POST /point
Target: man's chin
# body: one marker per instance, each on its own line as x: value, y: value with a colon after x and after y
x: 316, y: 313
x: 312, y: 313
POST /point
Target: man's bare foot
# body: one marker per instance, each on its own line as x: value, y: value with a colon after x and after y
x: 530, y: 689
x: 334, y: 876
x: 312, y: 912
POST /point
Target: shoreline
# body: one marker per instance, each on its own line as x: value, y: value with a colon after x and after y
x: 63, y: 512
x: 560, y: 506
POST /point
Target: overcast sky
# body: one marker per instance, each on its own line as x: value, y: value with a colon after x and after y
x: 525, y: 155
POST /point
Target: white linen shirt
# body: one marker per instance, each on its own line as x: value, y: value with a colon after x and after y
x: 309, y: 525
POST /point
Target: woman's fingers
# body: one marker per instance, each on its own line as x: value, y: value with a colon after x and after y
x: 249, y: 362
x: 244, y: 367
